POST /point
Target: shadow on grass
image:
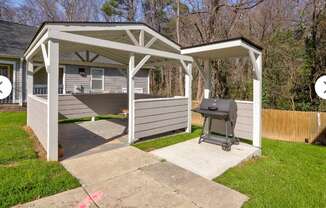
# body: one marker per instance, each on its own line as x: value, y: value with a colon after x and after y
x: 160, y: 142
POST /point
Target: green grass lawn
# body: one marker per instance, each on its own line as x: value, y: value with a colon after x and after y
x: 24, y: 177
x: 158, y: 143
x: 287, y: 175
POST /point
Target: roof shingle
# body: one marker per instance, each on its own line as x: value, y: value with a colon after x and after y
x: 15, y: 38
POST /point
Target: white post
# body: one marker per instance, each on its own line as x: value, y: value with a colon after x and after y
x: 257, y: 103
x: 14, y: 80
x: 207, y: 86
x: 188, y: 94
x: 29, y: 83
x: 21, y: 62
x: 29, y: 77
x: 52, y: 125
x: 131, y: 98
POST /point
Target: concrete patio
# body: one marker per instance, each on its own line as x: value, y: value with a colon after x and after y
x: 80, y: 139
x: 206, y: 160
x: 128, y: 177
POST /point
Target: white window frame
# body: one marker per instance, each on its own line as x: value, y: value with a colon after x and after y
x: 91, y: 84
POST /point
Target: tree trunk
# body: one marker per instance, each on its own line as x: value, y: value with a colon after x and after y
x: 180, y: 79
x: 199, y: 93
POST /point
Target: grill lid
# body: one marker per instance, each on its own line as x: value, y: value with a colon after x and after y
x: 218, y: 108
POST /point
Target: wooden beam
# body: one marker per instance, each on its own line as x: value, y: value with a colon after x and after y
x: 52, y: 112
x: 139, y: 65
x: 79, y: 56
x: 141, y: 38
x: 94, y: 58
x: 150, y: 42
x: 200, y: 69
x: 185, y: 67
x: 188, y: 94
x: 33, y: 50
x: 148, y: 30
x: 131, y: 103
x: 87, y: 55
x: 254, y: 64
x: 257, y: 104
x: 132, y: 37
x: 38, y: 68
x: 29, y: 77
x: 82, y: 39
x: 45, y: 55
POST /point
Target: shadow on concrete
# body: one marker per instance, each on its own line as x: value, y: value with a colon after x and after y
x: 79, y: 139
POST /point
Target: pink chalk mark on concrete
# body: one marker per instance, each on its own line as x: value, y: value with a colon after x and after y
x: 96, y: 196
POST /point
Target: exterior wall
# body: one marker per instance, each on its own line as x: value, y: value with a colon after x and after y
x: 37, y: 117
x: 18, y: 74
x: 244, y: 123
x: 155, y: 116
x: 85, y: 105
x: 114, y: 80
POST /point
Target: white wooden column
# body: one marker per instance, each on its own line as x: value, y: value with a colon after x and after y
x: 207, y: 79
x: 131, y: 98
x: 53, y: 76
x: 188, y: 94
x: 21, y: 87
x: 29, y: 77
x: 29, y: 84
x: 257, y: 101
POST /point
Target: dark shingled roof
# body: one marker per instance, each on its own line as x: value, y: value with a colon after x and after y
x: 15, y: 38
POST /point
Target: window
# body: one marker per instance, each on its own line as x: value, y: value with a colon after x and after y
x: 97, y: 79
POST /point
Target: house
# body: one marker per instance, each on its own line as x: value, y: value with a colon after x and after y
x: 79, y: 72
x: 82, y: 49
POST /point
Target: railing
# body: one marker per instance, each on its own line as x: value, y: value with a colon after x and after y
x: 7, y: 100
x: 43, y: 90
x: 37, y: 117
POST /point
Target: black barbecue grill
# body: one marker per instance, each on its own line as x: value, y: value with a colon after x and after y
x: 221, y: 109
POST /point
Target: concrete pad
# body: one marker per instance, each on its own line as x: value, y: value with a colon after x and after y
x: 201, y: 191
x: 128, y: 177
x: 102, y: 166
x: 80, y: 139
x: 136, y: 189
x: 72, y: 198
x: 206, y: 160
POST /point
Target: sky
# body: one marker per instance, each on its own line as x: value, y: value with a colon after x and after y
x: 16, y: 2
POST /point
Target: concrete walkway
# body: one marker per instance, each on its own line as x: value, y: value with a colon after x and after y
x: 128, y: 177
x: 206, y: 160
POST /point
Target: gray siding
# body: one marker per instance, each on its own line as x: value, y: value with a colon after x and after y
x: 244, y: 123
x: 156, y: 116
x: 73, y: 78
x: 85, y: 105
x: 114, y: 80
x: 37, y: 118
x: 19, y: 76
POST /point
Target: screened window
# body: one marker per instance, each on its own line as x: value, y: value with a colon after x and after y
x: 97, y: 80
